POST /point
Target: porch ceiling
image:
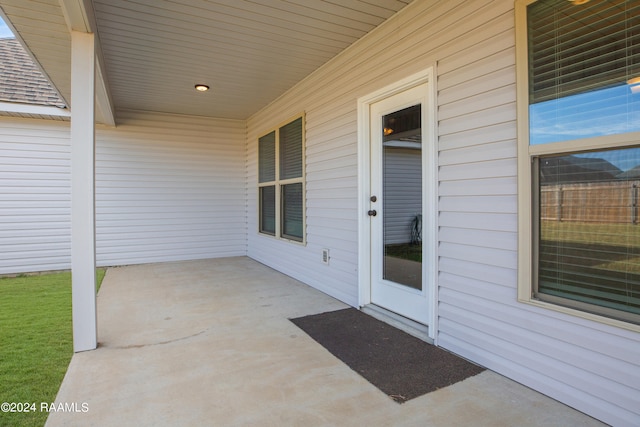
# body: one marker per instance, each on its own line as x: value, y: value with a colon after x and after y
x: 249, y: 52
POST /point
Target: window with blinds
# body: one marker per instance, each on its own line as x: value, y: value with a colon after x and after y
x: 292, y: 198
x: 583, y: 87
x: 281, y: 181
x: 583, y: 60
x: 589, y: 231
x: 267, y: 156
x: 291, y: 150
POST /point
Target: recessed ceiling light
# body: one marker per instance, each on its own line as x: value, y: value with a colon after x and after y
x: 202, y: 88
x: 634, y: 81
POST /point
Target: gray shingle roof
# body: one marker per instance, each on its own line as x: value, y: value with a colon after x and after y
x: 20, y: 79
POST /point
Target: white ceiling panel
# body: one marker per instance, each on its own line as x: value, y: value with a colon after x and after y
x: 248, y: 52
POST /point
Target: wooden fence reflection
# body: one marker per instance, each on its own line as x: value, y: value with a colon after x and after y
x: 599, y: 202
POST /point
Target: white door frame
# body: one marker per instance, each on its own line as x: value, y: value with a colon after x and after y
x: 430, y: 196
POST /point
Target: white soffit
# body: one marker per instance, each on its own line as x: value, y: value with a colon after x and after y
x: 155, y: 51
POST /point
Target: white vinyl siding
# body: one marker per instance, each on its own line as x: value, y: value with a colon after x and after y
x: 167, y: 188
x: 411, y: 42
x: 592, y: 367
x: 403, y: 196
x: 35, y: 195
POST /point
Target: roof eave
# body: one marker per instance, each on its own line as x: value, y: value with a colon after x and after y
x: 78, y: 16
x: 40, y: 110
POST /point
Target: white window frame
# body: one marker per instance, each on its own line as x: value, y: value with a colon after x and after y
x: 280, y: 183
x: 526, y: 154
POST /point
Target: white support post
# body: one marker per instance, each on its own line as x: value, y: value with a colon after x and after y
x: 83, y: 235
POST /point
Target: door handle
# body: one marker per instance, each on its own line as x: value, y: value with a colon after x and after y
x: 372, y: 212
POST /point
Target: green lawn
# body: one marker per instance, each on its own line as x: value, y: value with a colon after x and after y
x: 35, y: 342
x: 625, y: 235
x: 408, y: 251
x: 595, y: 263
x: 616, y: 247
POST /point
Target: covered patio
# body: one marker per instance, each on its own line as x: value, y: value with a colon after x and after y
x: 209, y: 342
x: 281, y: 162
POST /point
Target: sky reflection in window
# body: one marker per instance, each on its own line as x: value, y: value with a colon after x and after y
x: 601, y: 112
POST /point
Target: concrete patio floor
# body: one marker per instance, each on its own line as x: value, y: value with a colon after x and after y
x: 209, y: 343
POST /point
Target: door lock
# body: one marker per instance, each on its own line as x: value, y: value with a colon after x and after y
x: 372, y: 212
x: 373, y: 198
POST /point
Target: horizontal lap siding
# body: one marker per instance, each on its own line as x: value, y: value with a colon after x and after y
x: 408, y: 43
x: 330, y: 185
x: 588, y: 365
x: 402, y: 194
x: 35, y: 195
x: 170, y: 188
x: 167, y: 188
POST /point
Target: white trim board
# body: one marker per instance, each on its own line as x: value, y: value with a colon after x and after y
x: 12, y: 107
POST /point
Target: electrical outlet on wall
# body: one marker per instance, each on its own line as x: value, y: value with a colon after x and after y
x: 325, y: 256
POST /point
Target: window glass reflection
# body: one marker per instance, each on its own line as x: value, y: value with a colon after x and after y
x: 589, y: 231
x: 597, y: 113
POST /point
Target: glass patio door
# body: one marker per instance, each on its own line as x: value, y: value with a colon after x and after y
x: 397, y: 165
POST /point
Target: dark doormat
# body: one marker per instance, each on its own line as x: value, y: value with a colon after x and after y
x: 399, y: 364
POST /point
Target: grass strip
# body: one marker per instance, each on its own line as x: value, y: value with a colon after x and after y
x: 36, y: 343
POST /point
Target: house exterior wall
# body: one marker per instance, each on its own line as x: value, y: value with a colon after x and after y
x: 588, y: 365
x: 167, y: 188
x: 35, y: 195
x: 170, y: 188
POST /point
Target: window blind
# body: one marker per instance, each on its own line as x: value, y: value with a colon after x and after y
x: 267, y: 158
x: 268, y: 209
x: 589, y: 231
x: 578, y: 48
x: 291, y: 150
x: 292, y: 212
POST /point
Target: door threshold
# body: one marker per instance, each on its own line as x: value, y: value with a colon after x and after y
x: 409, y: 326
